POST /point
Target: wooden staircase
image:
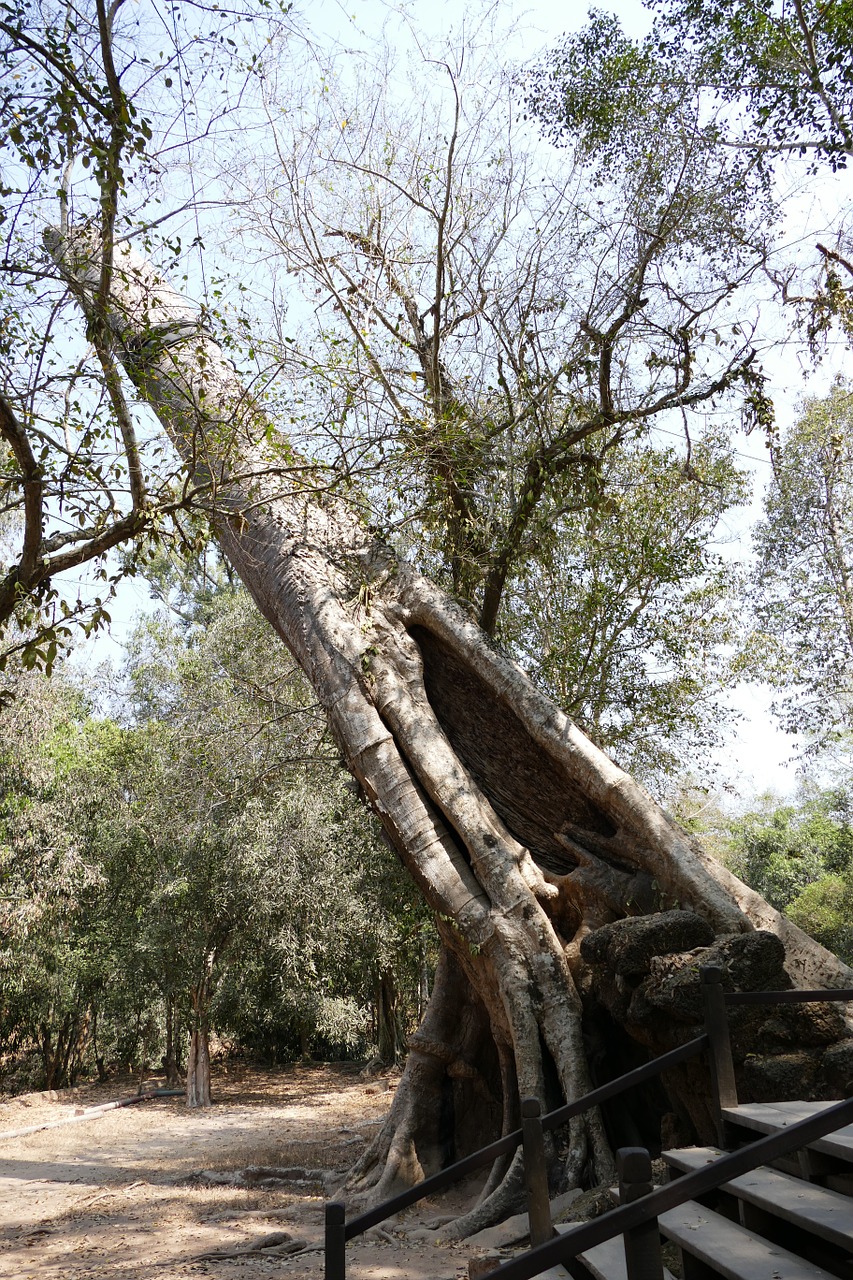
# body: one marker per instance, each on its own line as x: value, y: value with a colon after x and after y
x: 776, y: 1204
x: 789, y: 1221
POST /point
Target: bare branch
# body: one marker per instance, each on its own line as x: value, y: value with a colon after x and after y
x: 14, y: 432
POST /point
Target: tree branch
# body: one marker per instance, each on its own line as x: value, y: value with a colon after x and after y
x: 112, y: 378
x: 437, y: 388
x: 13, y: 431
x: 66, y: 73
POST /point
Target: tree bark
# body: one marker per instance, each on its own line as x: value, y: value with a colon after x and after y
x: 171, y: 1057
x: 56, y: 1044
x: 198, y: 1061
x: 391, y: 1041
x: 523, y: 837
x: 198, y: 1068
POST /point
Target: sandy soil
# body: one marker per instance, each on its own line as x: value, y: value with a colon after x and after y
x: 117, y: 1196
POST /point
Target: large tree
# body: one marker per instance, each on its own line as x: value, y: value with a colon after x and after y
x: 524, y: 838
x: 521, y: 834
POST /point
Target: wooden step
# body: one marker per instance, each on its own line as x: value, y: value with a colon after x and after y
x: 768, y: 1117
x: 730, y: 1251
x: 606, y: 1261
x: 823, y: 1213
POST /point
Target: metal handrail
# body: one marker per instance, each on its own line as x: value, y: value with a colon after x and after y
x: 339, y: 1231
x: 788, y: 997
x: 551, y: 1120
x: 626, y: 1217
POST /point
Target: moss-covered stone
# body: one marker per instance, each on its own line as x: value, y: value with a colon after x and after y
x: 628, y: 946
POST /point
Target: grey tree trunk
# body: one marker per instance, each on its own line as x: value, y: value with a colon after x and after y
x: 171, y: 1057
x: 198, y: 1061
x: 390, y: 1037
x: 523, y: 837
x: 198, y: 1068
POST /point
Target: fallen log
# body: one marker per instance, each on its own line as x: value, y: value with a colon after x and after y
x: 92, y: 1113
x: 257, y: 1176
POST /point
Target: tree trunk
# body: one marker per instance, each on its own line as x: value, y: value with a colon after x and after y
x: 47, y: 1055
x: 171, y: 1058
x: 423, y: 978
x: 391, y: 1042
x: 56, y: 1052
x: 198, y: 1061
x: 198, y: 1067
x: 100, y: 1065
x: 306, y: 1031
x: 80, y: 1044
x: 523, y: 837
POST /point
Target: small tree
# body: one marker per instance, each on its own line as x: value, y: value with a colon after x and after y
x: 781, y: 848
x: 802, y: 587
x: 70, y: 985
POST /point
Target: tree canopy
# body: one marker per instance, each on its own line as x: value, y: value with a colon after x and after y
x: 479, y: 342
x: 96, y: 103
x: 802, y: 588
x: 799, y: 855
x: 208, y: 854
x: 762, y: 79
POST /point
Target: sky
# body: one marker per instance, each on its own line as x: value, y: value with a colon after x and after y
x: 756, y: 756
x: 538, y: 22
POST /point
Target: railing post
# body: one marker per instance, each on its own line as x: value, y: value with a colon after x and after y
x: 335, y: 1252
x: 642, y: 1244
x: 535, y: 1173
x: 723, y: 1084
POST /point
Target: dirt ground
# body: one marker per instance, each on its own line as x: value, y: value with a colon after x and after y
x: 118, y: 1195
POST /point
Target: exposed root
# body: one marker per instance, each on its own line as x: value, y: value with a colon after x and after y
x: 507, y: 1198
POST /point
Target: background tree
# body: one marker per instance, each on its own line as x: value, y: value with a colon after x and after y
x: 325, y: 909
x: 71, y: 988
x: 823, y: 909
x: 274, y: 868
x: 802, y: 587
x: 630, y: 618
x: 800, y: 857
x: 203, y: 868
x: 781, y: 848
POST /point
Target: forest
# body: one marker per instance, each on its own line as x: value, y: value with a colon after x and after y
x: 413, y: 372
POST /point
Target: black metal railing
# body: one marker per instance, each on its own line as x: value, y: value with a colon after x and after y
x: 723, y: 1082
x: 640, y: 1239
x: 339, y: 1230
x: 631, y: 1217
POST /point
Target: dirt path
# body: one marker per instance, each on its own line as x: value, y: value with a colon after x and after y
x: 116, y: 1196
